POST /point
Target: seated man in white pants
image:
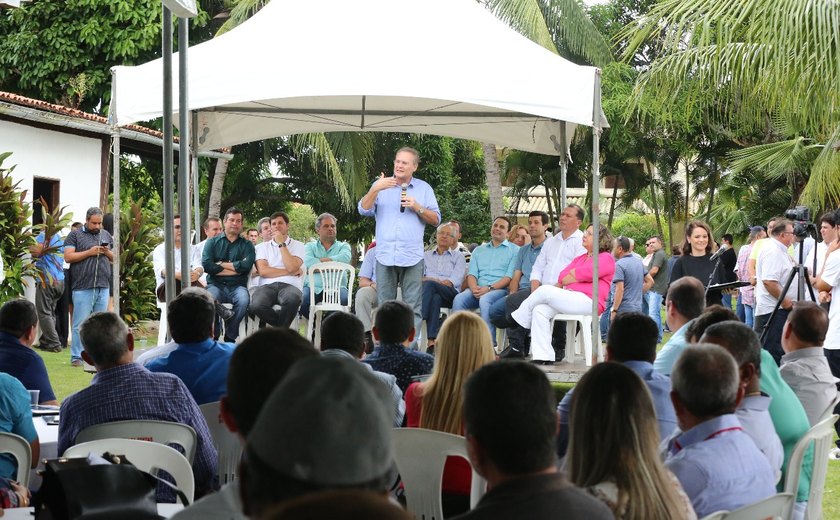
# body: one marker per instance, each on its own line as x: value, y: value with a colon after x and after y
x: 366, y: 297
x: 572, y: 294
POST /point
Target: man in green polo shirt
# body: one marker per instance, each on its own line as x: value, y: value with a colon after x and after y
x: 227, y: 260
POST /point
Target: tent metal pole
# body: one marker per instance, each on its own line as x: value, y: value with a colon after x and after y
x: 115, y: 157
x: 195, y: 173
x: 184, y: 156
x: 596, y: 205
x: 564, y: 160
x: 168, y: 184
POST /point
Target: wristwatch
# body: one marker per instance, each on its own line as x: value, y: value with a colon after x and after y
x: 421, y: 210
x: 281, y: 245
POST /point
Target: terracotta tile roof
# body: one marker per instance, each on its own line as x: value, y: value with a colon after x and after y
x: 70, y: 112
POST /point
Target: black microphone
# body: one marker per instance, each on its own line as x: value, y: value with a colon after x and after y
x: 719, y: 252
x: 404, y: 193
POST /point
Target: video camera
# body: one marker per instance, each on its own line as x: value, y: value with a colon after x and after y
x: 802, y: 225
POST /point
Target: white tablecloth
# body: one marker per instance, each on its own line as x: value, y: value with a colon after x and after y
x: 48, y: 436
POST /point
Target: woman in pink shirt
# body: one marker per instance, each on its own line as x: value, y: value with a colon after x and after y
x: 572, y: 294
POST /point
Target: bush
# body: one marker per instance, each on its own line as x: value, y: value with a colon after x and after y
x: 138, y: 238
x: 639, y: 228
x: 15, y: 234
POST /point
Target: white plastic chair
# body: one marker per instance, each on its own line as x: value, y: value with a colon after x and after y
x: 830, y: 410
x: 420, y: 455
x: 161, y: 432
x: 574, y: 338
x: 822, y: 435
x: 332, y: 276
x: 227, y: 444
x: 146, y: 456
x: 17, y: 447
x: 778, y: 506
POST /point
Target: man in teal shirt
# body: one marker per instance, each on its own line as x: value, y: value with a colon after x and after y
x: 490, y: 272
x: 324, y: 249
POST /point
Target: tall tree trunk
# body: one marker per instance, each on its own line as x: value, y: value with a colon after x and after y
x: 214, y: 206
x: 669, y: 210
x: 494, y: 180
x: 548, y: 197
x: 653, y: 198
x: 712, y: 182
x: 612, y: 202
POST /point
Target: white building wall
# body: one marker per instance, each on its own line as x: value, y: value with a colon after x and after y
x: 71, y: 159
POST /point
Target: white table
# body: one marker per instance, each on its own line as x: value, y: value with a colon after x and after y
x: 48, y: 437
x: 27, y: 513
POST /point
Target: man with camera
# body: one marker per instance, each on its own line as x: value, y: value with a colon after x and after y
x: 88, y: 251
x: 773, y: 268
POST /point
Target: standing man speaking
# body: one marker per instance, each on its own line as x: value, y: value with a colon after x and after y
x: 402, y: 206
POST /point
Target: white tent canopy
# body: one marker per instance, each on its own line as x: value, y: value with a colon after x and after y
x: 418, y: 66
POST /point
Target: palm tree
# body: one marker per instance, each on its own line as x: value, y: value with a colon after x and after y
x: 766, y: 66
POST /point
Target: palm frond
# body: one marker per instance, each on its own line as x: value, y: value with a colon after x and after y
x: 776, y: 160
x: 242, y: 10
x: 823, y: 188
x: 526, y: 17
x: 319, y: 151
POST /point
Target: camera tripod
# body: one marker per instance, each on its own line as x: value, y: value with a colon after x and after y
x: 802, y: 281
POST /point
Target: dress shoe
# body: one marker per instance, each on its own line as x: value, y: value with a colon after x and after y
x: 543, y: 362
x: 223, y: 312
x: 511, y: 353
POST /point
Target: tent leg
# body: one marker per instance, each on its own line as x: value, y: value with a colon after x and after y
x: 596, y: 205
x: 168, y: 184
x: 184, y: 155
x: 115, y: 158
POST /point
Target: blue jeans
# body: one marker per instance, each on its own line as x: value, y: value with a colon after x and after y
x: 410, y: 279
x: 435, y: 296
x: 85, y: 303
x: 239, y: 297
x: 498, y: 314
x: 726, y: 300
x: 654, y: 301
x: 466, y: 301
x: 739, y: 309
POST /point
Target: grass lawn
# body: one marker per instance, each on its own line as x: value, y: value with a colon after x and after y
x: 66, y: 380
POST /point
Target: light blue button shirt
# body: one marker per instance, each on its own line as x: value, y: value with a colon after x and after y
x: 666, y: 357
x: 489, y: 264
x: 399, y: 235
x: 368, y: 269
x: 720, y: 467
x: 525, y: 262
x: 451, y: 266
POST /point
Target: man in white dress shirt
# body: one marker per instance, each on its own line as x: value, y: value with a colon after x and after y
x: 278, y: 263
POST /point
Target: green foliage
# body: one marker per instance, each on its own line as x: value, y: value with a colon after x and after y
x: 63, y: 51
x: 15, y: 234
x: 138, y: 237
x: 471, y: 208
x: 302, y: 222
x: 638, y: 227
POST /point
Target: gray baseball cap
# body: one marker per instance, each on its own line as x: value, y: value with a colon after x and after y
x: 327, y: 423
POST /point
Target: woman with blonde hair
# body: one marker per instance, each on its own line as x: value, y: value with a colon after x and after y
x: 463, y: 346
x: 519, y: 235
x: 613, y: 447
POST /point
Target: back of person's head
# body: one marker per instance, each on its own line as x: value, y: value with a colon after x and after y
x: 687, y: 296
x: 509, y: 409
x: 728, y: 238
x: 614, y: 437
x: 394, y: 321
x: 105, y: 338
x: 257, y: 365
x: 327, y: 425
x: 191, y: 315
x: 738, y: 339
x: 623, y: 242
x: 809, y: 322
x: 632, y: 337
x: 463, y: 345
x: 343, y: 331
x: 705, y: 379
x: 17, y: 317
x: 711, y: 315
x: 344, y: 504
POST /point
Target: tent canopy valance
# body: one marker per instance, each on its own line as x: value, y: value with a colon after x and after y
x: 443, y: 67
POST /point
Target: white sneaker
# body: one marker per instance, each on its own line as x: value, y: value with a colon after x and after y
x: 834, y: 454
